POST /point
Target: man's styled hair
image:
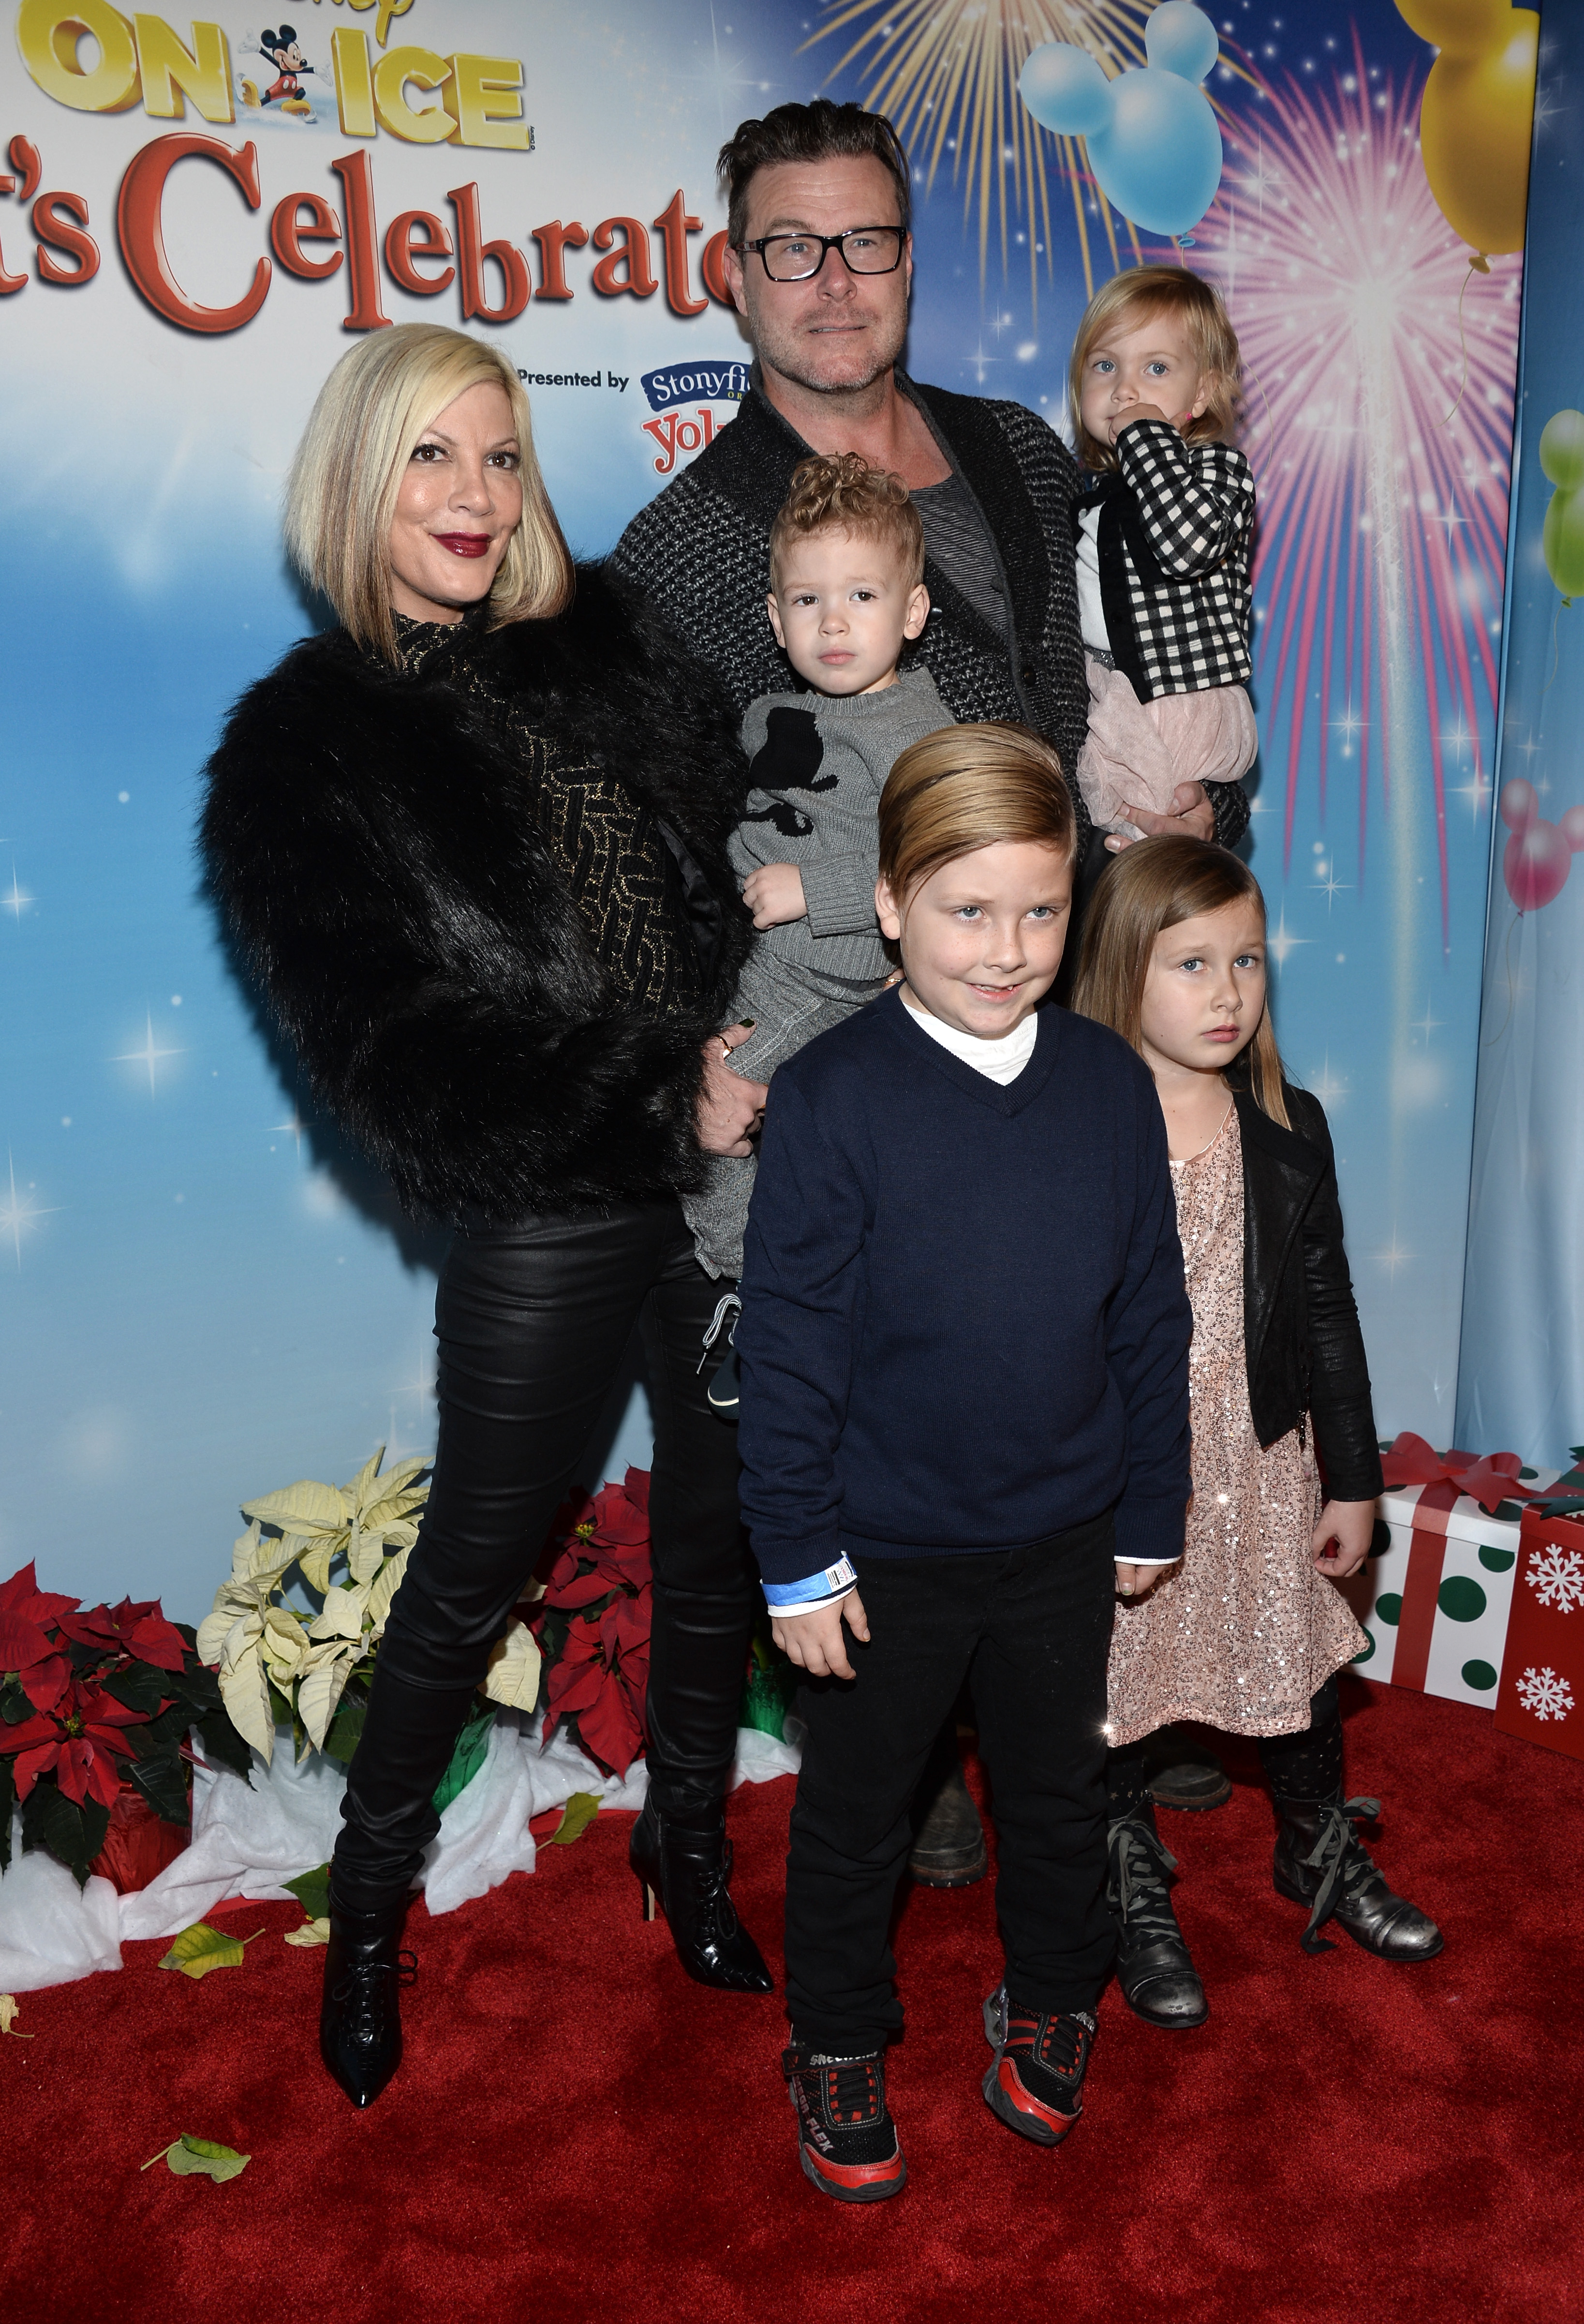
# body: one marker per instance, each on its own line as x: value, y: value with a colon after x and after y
x: 967, y: 787
x: 1135, y: 297
x: 371, y: 413
x: 839, y: 492
x: 819, y: 132
x: 1147, y: 890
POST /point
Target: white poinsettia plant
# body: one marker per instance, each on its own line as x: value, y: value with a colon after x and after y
x: 349, y: 1546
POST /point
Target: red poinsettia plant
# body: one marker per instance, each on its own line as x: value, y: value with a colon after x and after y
x: 95, y: 1704
x: 593, y: 1622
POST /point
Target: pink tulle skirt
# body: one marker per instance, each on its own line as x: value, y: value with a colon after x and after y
x: 1138, y: 752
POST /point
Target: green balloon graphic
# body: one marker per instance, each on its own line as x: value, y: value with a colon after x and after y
x: 1561, y: 458
x: 1562, y: 449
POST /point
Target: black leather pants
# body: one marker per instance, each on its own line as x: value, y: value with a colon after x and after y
x: 532, y: 1323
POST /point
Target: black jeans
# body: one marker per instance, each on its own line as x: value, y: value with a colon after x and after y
x: 1029, y: 1630
x: 532, y: 1322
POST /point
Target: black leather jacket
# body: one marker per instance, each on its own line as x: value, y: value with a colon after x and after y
x: 1304, y: 1346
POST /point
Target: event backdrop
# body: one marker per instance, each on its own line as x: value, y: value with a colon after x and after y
x: 1521, y: 1380
x: 205, y: 1297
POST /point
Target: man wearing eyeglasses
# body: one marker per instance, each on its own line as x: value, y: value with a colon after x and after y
x: 819, y: 264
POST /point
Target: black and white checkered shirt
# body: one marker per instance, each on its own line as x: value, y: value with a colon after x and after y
x: 1173, y: 544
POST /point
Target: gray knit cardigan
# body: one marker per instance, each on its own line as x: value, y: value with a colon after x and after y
x: 699, y: 552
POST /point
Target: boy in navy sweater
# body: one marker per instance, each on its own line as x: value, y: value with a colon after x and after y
x: 964, y: 1427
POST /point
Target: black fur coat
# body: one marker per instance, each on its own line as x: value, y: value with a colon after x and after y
x: 371, y: 838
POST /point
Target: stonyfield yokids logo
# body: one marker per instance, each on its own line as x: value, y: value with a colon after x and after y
x: 680, y: 434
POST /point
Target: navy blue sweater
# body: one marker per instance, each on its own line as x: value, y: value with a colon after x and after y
x: 964, y: 1323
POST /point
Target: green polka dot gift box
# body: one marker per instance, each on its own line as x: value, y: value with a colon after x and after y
x: 1435, y: 1593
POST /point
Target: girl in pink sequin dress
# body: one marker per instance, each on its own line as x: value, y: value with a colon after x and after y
x: 1245, y: 1631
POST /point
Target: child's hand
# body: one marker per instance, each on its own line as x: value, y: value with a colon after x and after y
x: 1148, y: 411
x: 774, y: 895
x: 1136, y: 1581
x: 1346, y: 1529
x: 815, y: 1642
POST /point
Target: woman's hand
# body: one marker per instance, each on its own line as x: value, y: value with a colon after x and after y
x: 774, y: 895
x: 729, y: 1107
x: 1190, y: 811
x: 1138, y: 1581
x: 813, y: 1641
x: 1350, y: 1525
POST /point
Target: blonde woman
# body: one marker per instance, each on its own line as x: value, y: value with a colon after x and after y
x: 472, y: 844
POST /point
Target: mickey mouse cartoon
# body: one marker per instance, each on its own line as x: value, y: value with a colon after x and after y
x: 281, y: 50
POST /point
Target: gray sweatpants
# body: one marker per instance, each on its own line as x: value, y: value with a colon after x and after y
x: 786, y: 1012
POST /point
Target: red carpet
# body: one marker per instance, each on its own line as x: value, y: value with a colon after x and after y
x: 579, y: 2133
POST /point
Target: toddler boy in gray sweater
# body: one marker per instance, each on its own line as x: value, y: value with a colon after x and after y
x: 846, y: 593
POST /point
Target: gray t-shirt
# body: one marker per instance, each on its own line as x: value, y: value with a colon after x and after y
x: 958, y: 540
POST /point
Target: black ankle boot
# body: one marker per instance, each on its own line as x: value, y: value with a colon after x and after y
x: 1322, y: 1862
x: 685, y: 1871
x: 360, y: 2021
x: 948, y: 1847
x: 1153, y: 1966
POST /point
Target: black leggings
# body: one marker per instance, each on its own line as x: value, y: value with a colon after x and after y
x: 1303, y: 1766
x: 532, y: 1323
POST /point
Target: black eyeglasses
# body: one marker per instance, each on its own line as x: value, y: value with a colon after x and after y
x: 865, y: 250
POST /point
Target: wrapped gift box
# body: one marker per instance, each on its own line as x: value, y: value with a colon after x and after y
x: 1542, y: 1691
x: 1435, y: 1594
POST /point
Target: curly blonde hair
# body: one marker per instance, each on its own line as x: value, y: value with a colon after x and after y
x: 839, y: 492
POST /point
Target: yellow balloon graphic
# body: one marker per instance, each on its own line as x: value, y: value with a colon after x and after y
x: 1477, y: 116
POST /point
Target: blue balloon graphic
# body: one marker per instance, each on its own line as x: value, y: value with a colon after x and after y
x: 1154, y: 145
x: 1065, y: 90
x: 1159, y: 161
x: 1179, y: 37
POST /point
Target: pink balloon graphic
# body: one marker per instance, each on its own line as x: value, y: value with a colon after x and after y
x: 1535, y: 864
x: 1520, y: 803
x: 1572, y: 828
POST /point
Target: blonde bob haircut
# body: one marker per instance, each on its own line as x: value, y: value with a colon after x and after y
x: 371, y: 413
x: 967, y: 787
x: 1138, y: 296
x: 1147, y: 890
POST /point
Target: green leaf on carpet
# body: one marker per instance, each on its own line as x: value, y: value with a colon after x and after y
x: 199, y: 1949
x: 9, y: 2013
x: 190, y: 2157
x: 580, y: 1811
x: 312, y: 1891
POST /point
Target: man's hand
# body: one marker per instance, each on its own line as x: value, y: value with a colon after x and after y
x: 729, y: 1107
x: 1345, y: 1531
x: 1190, y: 811
x: 774, y: 895
x: 815, y: 1642
x: 1138, y: 1581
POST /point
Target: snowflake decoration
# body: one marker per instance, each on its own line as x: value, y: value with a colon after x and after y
x: 1543, y: 1694
x: 1558, y: 1574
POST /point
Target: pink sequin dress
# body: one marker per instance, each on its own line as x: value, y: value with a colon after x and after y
x: 1244, y: 1631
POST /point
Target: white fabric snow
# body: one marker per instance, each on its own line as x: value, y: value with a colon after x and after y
x: 247, y: 1842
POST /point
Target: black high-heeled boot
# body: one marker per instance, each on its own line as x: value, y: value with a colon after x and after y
x: 360, y: 2018
x: 1153, y: 1966
x: 1322, y: 1862
x: 685, y: 1871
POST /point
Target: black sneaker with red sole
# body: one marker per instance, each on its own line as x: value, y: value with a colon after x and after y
x: 846, y: 2140
x: 1036, y: 2083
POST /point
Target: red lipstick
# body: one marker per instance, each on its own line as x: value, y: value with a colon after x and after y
x: 463, y: 544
